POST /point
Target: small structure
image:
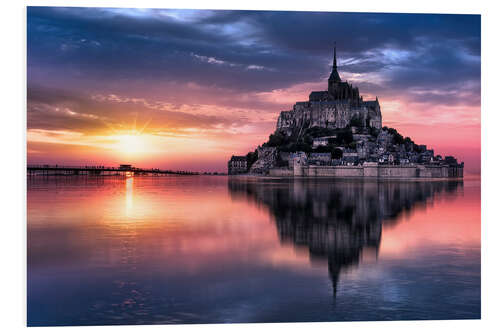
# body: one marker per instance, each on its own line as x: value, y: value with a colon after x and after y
x: 320, y: 158
x: 450, y: 160
x: 322, y: 141
x: 125, y: 167
x: 237, y: 165
x: 350, y: 157
x: 298, y: 160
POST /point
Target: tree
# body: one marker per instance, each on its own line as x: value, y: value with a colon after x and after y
x: 345, y: 137
x: 316, y: 132
x: 337, y: 153
x: 374, y: 131
x: 276, y: 140
x: 396, y: 137
x: 323, y: 149
x: 251, y: 158
x: 356, y: 121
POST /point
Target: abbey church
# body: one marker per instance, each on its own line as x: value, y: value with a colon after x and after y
x: 338, y: 134
x: 334, y: 108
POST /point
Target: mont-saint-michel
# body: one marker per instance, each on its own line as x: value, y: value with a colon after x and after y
x: 327, y: 215
x: 336, y: 133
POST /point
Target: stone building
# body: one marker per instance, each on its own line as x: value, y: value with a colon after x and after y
x: 319, y: 158
x: 308, y: 138
x: 339, y: 106
x: 322, y: 141
x: 237, y: 165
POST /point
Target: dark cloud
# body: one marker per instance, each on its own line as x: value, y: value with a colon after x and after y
x: 95, y: 49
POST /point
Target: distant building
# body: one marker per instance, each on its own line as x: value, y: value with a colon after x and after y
x: 297, y: 159
x: 319, y: 158
x: 237, y: 165
x: 350, y: 153
x: 350, y: 157
x: 322, y: 141
x: 450, y: 160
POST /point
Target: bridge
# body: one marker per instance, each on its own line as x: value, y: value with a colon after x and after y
x: 99, y: 170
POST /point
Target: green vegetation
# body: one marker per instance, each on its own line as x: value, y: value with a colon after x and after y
x: 251, y: 158
x: 316, y: 132
x: 398, y: 139
x: 298, y: 146
x: 356, y: 121
x: 304, y: 142
x: 275, y: 140
x: 330, y: 148
x: 344, y: 138
x: 337, y: 153
x: 374, y: 131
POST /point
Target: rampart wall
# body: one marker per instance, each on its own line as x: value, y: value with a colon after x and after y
x: 380, y: 171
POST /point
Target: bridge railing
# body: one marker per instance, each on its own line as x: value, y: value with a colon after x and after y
x: 58, y: 166
x: 106, y: 168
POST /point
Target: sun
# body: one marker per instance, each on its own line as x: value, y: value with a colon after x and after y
x: 131, y: 144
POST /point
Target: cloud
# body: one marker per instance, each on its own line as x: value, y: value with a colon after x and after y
x: 59, y: 110
x: 227, y: 74
x: 247, y: 51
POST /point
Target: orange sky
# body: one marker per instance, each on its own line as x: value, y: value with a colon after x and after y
x: 455, y: 131
x: 180, y: 89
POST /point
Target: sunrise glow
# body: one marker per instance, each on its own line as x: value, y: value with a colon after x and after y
x: 181, y: 103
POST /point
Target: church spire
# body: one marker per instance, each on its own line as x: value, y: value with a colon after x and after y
x: 335, y: 55
x: 334, y: 76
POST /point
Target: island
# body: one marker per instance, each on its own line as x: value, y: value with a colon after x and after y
x: 336, y: 133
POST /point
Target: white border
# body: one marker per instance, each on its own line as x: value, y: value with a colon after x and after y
x: 13, y: 241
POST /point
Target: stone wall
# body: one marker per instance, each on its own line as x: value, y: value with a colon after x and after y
x: 281, y: 172
x: 433, y: 172
x: 397, y: 171
x: 372, y: 171
x: 339, y: 171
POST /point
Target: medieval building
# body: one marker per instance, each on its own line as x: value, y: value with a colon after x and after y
x: 338, y: 134
x: 237, y: 165
x: 338, y: 107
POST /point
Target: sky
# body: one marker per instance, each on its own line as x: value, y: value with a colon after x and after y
x: 186, y: 89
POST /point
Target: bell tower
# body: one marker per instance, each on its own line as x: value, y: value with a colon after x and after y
x: 334, y: 78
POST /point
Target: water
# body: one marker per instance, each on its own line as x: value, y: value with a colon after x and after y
x: 208, y: 249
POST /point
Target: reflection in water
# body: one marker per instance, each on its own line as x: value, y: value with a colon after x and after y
x: 129, y: 197
x: 337, y: 219
x: 152, y: 250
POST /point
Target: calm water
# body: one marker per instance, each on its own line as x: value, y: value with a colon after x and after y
x: 155, y: 250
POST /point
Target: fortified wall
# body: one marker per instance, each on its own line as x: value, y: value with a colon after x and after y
x: 370, y: 171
